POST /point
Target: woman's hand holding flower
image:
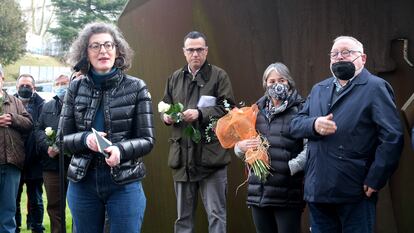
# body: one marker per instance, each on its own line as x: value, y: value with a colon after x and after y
x: 52, y: 151
x: 247, y: 144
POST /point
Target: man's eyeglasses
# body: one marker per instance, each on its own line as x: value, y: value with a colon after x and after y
x: 344, y: 53
x: 96, y: 47
x: 192, y: 50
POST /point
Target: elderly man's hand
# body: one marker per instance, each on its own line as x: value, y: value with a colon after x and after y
x: 369, y: 191
x: 5, y: 120
x: 325, y: 125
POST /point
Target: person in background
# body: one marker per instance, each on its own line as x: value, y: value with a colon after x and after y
x: 32, y: 171
x: 50, y: 154
x: 198, y: 166
x: 277, y: 204
x: 355, y: 140
x: 15, y: 124
x: 119, y: 107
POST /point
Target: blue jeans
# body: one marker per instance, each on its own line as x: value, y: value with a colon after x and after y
x: 356, y: 217
x: 34, y: 190
x: 89, y: 198
x: 9, y: 184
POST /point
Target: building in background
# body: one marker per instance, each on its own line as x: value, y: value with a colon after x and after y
x: 39, y: 15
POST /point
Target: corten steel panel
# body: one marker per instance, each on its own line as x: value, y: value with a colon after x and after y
x: 243, y: 38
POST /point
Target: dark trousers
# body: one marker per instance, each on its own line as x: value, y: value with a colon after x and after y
x: 35, y: 204
x: 276, y: 219
x: 356, y: 217
x: 52, y: 184
x: 213, y: 191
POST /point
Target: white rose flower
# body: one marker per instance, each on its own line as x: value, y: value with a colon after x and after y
x: 48, y: 131
x: 163, y: 107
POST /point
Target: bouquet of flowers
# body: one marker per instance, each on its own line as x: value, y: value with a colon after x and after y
x: 50, y: 137
x: 210, y: 130
x: 240, y: 124
x: 175, y: 112
x: 172, y: 110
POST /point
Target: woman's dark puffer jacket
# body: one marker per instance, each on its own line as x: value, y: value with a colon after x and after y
x: 280, y: 189
x: 128, y: 124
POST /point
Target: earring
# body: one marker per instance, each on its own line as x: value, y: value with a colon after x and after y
x: 119, y: 62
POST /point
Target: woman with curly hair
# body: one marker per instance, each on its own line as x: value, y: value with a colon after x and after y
x: 118, y: 106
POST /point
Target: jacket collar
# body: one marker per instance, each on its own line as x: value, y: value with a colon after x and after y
x: 35, y: 99
x: 327, y: 88
x: 6, y: 97
x: 109, y: 83
x: 202, y: 76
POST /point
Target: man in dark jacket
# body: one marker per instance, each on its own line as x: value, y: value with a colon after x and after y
x: 32, y: 171
x: 50, y: 154
x: 203, y: 89
x: 355, y: 141
x: 15, y: 124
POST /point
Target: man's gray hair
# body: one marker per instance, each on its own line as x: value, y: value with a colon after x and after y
x: 358, y: 44
x: 282, y: 70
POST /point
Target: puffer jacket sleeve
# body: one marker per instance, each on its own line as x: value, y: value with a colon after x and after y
x: 73, y: 141
x: 143, y: 139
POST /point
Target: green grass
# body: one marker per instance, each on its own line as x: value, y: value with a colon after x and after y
x: 46, y: 220
x: 12, y: 71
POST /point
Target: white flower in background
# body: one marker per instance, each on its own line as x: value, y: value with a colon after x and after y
x: 49, y: 131
x: 163, y: 107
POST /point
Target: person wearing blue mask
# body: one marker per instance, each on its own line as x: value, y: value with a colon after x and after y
x: 61, y: 85
x: 50, y: 154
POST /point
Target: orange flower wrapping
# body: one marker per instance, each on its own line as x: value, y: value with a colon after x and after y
x: 252, y: 156
x: 240, y: 124
x: 237, y: 125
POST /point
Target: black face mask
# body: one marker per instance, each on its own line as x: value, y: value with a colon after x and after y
x: 25, y: 92
x: 344, y: 70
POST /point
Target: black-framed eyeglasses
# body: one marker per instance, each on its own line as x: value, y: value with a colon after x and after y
x: 344, y: 53
x: 192, y: 50
x: 96, y: 47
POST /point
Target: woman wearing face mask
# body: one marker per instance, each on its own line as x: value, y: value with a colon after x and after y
x: 277, y: 203
x: 118, y: 106
x: 50, y: 155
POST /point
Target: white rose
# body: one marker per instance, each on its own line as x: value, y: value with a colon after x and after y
x: 49, y: 131
x: 163, y: 107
